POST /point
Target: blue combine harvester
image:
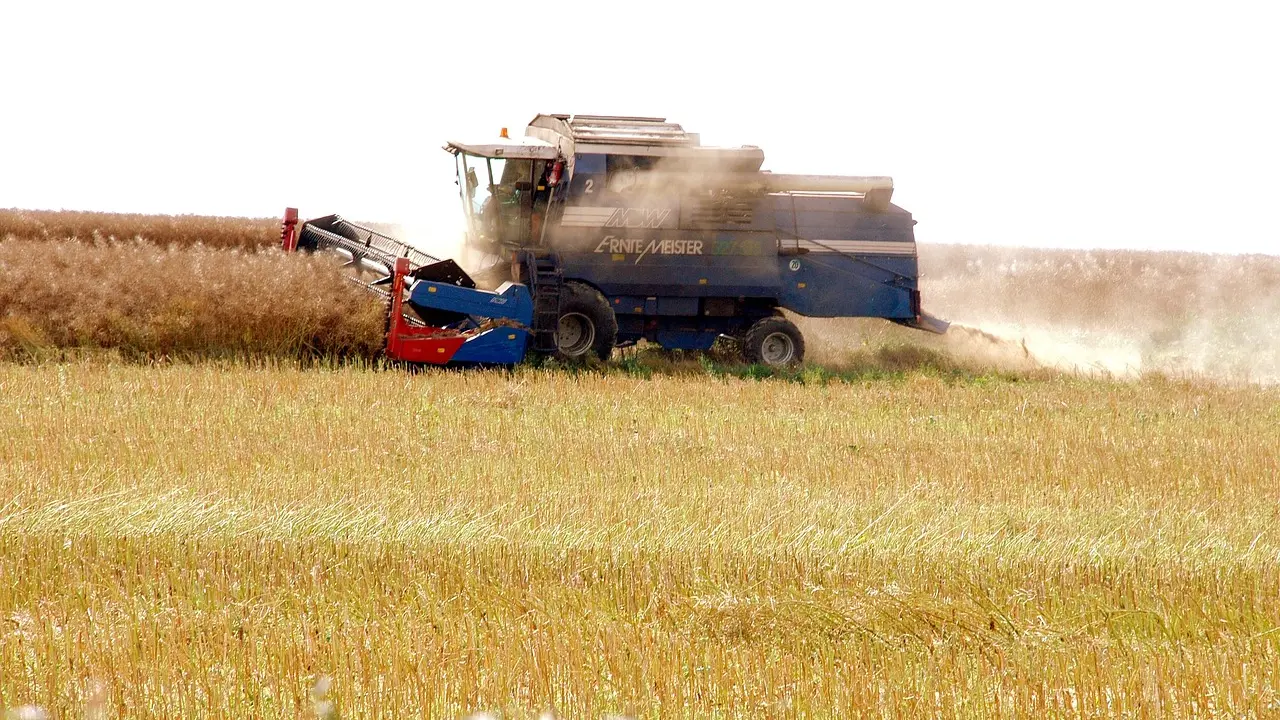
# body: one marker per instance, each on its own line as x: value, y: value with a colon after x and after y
x: 596, y: 232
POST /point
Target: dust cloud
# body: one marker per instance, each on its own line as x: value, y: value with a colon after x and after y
x: 440, y: 237
x: 1115, y: 312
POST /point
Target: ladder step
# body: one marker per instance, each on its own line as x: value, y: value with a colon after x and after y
x: 546, y: 279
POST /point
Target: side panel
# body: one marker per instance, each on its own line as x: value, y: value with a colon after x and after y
x: 836, y: 285
x: 718, y: 271
x: 648, y: 248
x: 629, y: 239
x: 588, y: 177
x: 508, y: 302
x: 842, y: 260
x: 840, y: 223
x: 499, y: 345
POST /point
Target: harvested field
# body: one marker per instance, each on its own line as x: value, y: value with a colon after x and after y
x: 205, y: 540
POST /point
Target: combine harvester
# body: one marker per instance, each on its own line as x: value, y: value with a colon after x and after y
x: 596, y: 232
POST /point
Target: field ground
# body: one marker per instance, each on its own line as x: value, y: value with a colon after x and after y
x: 206, y: 539
x: 204, y: 507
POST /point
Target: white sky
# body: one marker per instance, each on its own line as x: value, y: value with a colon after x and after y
x: 1109, y: 124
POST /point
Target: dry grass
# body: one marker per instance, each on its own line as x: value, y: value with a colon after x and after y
x: 148, y: 302
x: 204, y: 540
x: 164, y: 230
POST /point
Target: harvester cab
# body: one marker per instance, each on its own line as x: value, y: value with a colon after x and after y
x: 506, y: 188
x: 593, y: 232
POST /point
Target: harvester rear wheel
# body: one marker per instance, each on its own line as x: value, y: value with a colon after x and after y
x: 773, y: 341
x: 587, y: 324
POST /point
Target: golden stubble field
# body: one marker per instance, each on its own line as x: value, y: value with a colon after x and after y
x: 205, y: 540
x: 204, y: 509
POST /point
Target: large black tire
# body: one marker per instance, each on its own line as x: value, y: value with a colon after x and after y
x: 587, y: 324
x: 773, y: 341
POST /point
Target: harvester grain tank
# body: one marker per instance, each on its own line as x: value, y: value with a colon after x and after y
x: 594, y: 232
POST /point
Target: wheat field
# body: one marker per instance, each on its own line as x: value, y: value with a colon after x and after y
x: 165, y: 230
x: 905, y: 528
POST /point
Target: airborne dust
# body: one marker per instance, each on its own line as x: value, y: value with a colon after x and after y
x: 1114, y: 312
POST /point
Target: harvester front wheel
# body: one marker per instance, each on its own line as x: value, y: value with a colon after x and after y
x: 773, y: 341
x: 587, y: 324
